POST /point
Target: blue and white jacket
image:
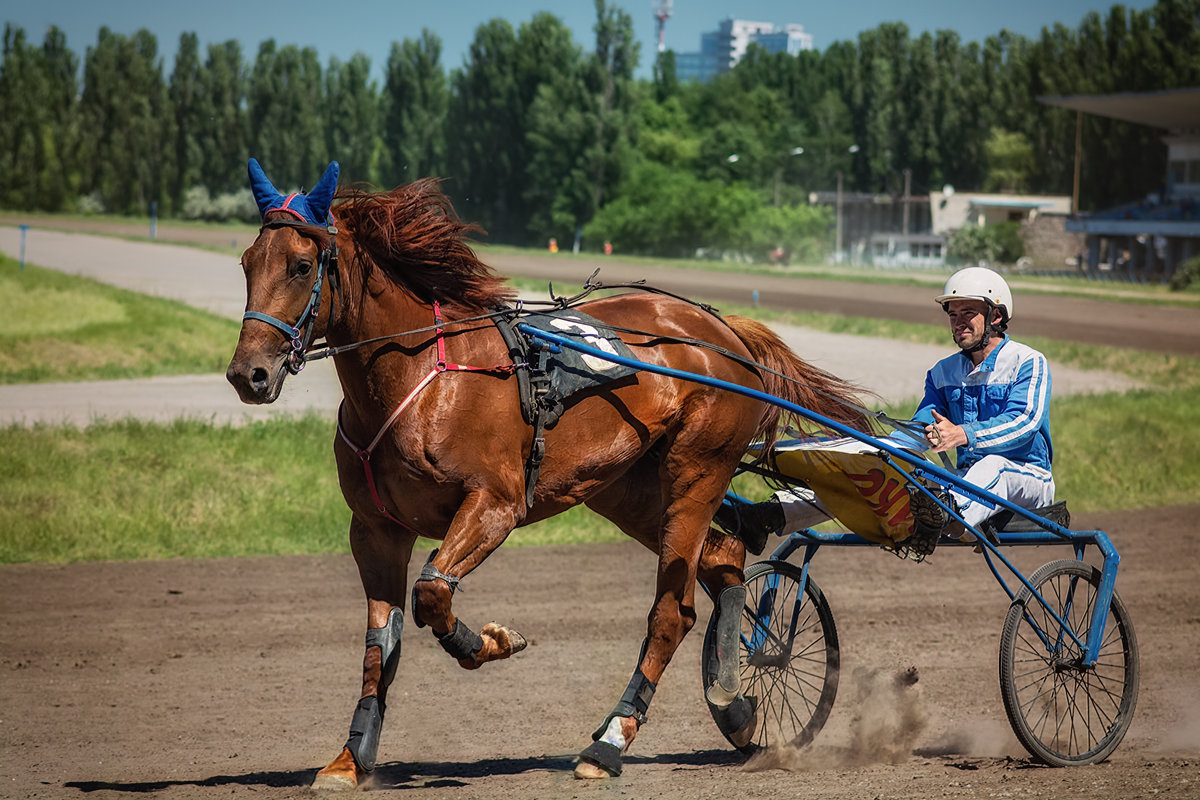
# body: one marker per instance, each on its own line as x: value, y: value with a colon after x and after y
x: 1003, y: 405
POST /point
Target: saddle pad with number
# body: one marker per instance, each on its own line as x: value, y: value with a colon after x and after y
x: 570, y: 371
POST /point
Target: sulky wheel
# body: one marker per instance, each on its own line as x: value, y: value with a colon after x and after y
x: 789, y: 656
x: 1065, y: 712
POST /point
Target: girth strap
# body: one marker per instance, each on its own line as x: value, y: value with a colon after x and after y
x: 533, y: 384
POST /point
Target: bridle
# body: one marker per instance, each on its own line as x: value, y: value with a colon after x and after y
x: 301, y: 334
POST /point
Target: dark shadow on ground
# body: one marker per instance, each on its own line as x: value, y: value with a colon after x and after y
x: 421, y: 774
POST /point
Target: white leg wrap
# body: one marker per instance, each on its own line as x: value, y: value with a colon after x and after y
x: 613, y: 734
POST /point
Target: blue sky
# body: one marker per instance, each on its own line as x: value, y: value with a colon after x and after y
x: 370, y: 26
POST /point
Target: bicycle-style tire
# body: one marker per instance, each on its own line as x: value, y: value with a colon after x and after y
x: 1063, y: 712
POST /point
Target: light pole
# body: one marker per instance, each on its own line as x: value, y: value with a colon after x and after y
x: 837, y: 253
x: 795, y: 151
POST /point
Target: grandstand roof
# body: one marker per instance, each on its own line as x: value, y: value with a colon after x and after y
x: 1173, y: 109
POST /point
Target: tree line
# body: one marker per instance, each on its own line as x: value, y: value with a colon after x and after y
x: 537, y: 136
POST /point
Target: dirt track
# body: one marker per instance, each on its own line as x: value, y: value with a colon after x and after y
x: 206, y: 679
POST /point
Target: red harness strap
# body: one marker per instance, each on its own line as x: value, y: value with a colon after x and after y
x: 364, y: 453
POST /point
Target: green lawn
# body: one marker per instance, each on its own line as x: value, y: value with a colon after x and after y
x: 134, y: 490
x: 62, y: 327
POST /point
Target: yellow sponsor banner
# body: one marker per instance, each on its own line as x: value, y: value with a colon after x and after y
x: 866, y: 494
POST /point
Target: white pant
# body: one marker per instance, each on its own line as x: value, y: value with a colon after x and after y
x: 1023, y: 484
x: 801, y: 509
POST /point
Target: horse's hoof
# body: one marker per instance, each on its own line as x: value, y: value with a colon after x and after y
x: 341, y: 775
x: 599, y: 759
x: 587, y: 771
x: 508, y: 642
x: 738, y: 720
x: 333, y: 782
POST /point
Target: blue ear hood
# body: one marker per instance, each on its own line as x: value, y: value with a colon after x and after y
x: 312, y: 208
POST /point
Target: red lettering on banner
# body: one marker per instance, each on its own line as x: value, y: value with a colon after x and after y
x: 882, y: 495
x: 868, y: 483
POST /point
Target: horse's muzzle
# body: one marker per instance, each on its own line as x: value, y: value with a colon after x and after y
x: 257, y: 380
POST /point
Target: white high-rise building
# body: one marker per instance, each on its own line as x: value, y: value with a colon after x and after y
x: 722, y: 49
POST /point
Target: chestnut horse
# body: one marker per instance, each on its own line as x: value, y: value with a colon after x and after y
x: 427, y: 445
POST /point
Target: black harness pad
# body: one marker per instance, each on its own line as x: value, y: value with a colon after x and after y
x: 570, y: 371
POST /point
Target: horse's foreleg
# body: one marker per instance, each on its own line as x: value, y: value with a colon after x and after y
x: 383, y: 567
x: 480, y: 526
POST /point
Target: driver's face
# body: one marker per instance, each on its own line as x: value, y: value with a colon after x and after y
x: 967, y: 320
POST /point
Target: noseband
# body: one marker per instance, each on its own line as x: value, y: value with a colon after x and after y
x: 301, y: 333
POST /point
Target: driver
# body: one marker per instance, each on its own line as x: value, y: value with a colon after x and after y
x: 989, y: 402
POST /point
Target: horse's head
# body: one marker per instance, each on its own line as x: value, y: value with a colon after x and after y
x: 289, y: 268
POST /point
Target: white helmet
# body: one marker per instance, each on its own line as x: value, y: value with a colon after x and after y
x: 978, y: 283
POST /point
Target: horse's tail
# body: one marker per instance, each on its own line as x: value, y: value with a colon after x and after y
x: 805, y: 385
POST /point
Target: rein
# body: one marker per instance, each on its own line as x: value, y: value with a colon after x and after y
x: 909, y: 427
x: 301, y: 334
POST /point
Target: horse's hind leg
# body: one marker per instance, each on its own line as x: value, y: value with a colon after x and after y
x: 687, y: 550
x: 382, y: 559
x: 480, y: 526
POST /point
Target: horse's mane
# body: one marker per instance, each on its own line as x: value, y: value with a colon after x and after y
x: 413, y: 235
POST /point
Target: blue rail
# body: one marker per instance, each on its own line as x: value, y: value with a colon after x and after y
x: 1051, y: 533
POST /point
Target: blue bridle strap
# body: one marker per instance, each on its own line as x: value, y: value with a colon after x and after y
x: 296, y: 334
x: 288, y: 330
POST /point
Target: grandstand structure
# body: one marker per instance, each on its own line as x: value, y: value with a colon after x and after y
x: 1146, y: 239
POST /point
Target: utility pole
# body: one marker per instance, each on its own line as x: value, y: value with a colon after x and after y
x: 662, y: 13
x: 837, y: 251
x: 907, y: 192
x: 1078, y: 155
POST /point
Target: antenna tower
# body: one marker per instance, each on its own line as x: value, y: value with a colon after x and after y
x: 662, y: 13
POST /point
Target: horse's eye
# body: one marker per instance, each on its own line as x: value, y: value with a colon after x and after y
x: 303, y: 268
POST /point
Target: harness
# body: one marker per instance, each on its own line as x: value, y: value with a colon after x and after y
x: 440, y: 366
x: 528, y: 359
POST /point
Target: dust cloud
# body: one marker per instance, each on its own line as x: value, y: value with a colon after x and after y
x: 887, y: 721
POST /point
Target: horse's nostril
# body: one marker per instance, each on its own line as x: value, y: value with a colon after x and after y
x: 258, y: 378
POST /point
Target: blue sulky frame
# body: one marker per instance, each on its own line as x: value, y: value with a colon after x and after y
x: 1051, y: 532
x: 916, y: 469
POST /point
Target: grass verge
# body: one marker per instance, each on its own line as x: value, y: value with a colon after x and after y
x: 135, y: 490
x: 62, y: 327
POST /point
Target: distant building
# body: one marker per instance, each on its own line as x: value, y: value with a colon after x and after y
x: 954, y: 210
x: 722, y: 49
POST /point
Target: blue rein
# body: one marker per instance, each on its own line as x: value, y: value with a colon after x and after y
x: 300, y: 334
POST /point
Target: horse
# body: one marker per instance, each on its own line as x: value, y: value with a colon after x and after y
x: 431, y: 441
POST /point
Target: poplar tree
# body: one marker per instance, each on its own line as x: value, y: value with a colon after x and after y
x: 224, y: 141
x: 187, y: 120
x: 352, y: 122
x: 485, y: 133
x: 415, y: 101
x: 285, y: 102
x: 122, y: 107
